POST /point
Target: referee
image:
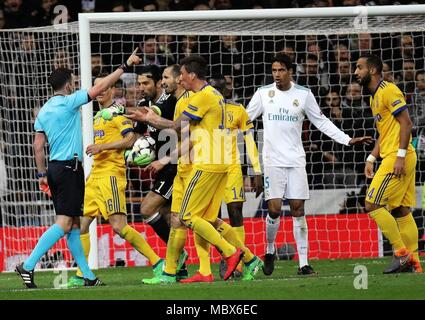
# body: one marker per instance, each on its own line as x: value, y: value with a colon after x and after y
x: 59, y: 124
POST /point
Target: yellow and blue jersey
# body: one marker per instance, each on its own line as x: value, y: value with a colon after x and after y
x: 386, y: 103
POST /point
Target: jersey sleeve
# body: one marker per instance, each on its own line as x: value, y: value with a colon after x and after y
x: 123, y: 124
x: 255, y: 106
x: 77, y: 99
x: 245, y: 123
x: 198, y: 106
x: 312, y: 110
x: 37, y: 126
x: 395, y: 100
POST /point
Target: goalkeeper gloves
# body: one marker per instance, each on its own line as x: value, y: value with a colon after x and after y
x: 109, y: 113
x: 143, y: 160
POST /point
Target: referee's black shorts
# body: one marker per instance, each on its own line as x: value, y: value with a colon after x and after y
x: 163, y: 184
x: 66, y: 182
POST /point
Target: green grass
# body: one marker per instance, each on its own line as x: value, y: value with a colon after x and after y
x: 335, y: 281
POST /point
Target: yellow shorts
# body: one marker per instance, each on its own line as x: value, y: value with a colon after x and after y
x: 179, y: 186
x: 105, y: 195
x: 203, y: 195
x: 391, y: 191
x: 234, y: 188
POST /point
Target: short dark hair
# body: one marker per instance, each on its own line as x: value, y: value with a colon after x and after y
x: 195, y: 64
x: 419, y: 72
x: 373, y: 61
x: 175, y: 69
x: 152, y: 71
x: 283, y: 59
x: 218, y: 81
x: 59, y: 78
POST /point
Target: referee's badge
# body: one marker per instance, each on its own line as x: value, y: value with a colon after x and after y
x: 295, y: 103
x: 271, y: 93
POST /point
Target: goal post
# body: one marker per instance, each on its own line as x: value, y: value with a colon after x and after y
x: 238, y: 44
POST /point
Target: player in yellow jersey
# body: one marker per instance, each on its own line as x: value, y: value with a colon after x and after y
x: 105, y: 187
x: 208, y: 177
x: 237, y: 120
x: 391, y: 193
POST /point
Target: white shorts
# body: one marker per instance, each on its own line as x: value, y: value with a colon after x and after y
x: 288, y: 183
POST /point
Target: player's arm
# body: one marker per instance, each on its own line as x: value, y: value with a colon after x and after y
x: 255, y: 106
x: 108, y: 81
x: 326, y: 126
x: 40, y: 158
x: 369, y: 167
x: 255, y: 161
x: 124, y: 143
x: 406, y: 126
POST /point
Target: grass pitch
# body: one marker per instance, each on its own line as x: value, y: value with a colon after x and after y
x: 335, y: 280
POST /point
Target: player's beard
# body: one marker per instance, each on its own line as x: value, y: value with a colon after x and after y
x: 365, y: 81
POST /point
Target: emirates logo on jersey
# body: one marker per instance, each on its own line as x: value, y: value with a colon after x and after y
x: 271, y: 93
x: 295, y: 103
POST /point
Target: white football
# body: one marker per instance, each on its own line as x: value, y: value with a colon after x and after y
x: 144, y: 147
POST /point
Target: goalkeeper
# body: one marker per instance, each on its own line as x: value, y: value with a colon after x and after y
x: 105, y: 187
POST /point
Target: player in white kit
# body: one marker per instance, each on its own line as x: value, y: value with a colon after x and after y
x: 284, y: 106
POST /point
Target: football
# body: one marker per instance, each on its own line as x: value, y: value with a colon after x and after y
x: 142, y: 153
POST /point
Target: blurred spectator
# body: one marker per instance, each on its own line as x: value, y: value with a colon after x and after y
x: 222, y: 4
x: 321, y: 3
x: 2, y: 19
x: 405, y: 79
x: 310, y: 76
x: 118, y: 93
x: 151, y: 53
x: 387, y: 72
x: 19, y: 15
x: 62, y: 60
x: 87, y: 6
x: 96, y: 64
x: 202, y: 5
x: 166, y: 46
x: 417, y: 111
x: 132, y: 94
x: 187, y: 45
x: 47, y: 7
x: 150, y: 6
x: 342, y: 53
x: 163, y: 5
x: 119, y: 6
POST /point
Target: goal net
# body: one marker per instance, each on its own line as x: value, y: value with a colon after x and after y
x: 324, y: 45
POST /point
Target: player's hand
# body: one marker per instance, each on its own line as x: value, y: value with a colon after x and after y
x: 258, y: 185
x: 399, y: 166
x: 134, y: 59
x: 361, y: 140
x: 44, y: 186
x: 155, y: 166
x: 141, y: 114
x: 94, y: 149
x: 368, y: 170
x: 142, y: 160
x: 109, y: 113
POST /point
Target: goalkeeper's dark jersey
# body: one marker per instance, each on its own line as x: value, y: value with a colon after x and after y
x: 166, y: 103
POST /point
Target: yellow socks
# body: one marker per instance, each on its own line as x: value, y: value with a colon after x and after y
x: 175, y: 245
x: 409, y: 234
x: 139, y: 243
x: 203, y: 250
x: 241, y: 233
x: 232, y: 237
x: 388, y: 225
x: 85, y: 241
x: 207, y: 231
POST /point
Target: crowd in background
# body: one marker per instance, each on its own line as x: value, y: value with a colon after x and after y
x: 34, y: 13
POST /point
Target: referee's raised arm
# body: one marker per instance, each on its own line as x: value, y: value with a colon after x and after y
x: 108, y: 81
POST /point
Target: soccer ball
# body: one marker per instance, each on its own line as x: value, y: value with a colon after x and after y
x: 143, y: 148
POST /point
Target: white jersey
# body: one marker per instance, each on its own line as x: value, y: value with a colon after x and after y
x: 283, y: 115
